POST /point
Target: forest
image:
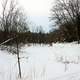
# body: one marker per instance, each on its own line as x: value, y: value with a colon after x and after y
x: 65, y: 14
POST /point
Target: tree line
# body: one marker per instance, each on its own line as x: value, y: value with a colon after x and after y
x: 65, y: 14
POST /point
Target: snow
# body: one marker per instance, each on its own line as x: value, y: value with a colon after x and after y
x: 42, y: 62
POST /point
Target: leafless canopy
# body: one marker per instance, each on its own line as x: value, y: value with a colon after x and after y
x: 67, y: 12
x: 12, y: 18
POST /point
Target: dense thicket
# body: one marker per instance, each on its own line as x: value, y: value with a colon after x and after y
x: 30, y: 37
x: 66, y: 14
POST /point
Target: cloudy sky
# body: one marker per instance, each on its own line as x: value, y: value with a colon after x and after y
x: 38, y: 11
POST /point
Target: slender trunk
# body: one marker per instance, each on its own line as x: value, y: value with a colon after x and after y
x: 18, y: 58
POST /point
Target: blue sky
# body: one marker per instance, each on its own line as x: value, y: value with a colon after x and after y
x: 41, y: 21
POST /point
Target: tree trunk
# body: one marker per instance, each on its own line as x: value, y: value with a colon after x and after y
x: 18, y: 57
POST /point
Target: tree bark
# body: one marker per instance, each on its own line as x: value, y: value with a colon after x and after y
x: 19, y: 67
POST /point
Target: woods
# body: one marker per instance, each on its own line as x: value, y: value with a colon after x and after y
x: 12, y: 20
x: 65, y: 14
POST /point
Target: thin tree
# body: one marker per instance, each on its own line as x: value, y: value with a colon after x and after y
x: 12, y: 22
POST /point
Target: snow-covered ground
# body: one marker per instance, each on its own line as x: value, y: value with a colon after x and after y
x: 43, y: 62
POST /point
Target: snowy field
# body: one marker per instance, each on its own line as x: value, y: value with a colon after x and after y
x: 43, y: 62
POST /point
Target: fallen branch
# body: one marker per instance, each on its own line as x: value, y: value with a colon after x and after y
x: 6, y: 41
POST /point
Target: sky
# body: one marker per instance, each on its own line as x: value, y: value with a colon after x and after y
x: 38, y: 11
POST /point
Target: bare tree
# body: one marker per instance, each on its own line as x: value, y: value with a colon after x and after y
x: 67, y: 12
x: 13, y: 18
x: 13, y: 21
x: 39, y: 29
